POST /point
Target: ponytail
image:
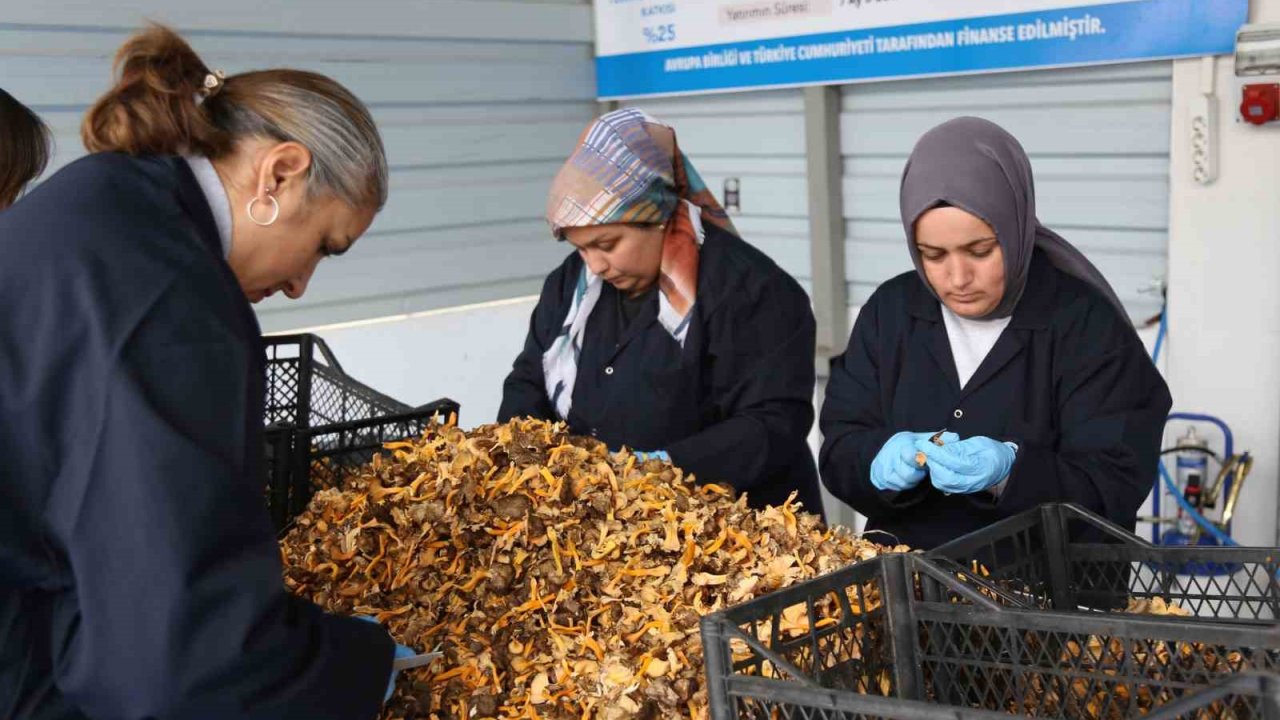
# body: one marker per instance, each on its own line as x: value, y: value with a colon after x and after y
x: 153, y: 108
x: 167, y: 102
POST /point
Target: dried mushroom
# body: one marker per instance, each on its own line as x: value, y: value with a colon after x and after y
x: 1166, y: 664
x: 1155, y: 606
x: 560, y: 580
x: 936, y: 439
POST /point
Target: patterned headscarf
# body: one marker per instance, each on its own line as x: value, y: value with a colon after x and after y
x: 628, y: 168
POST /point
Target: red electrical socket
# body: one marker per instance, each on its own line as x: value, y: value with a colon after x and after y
x: 1261, y: 103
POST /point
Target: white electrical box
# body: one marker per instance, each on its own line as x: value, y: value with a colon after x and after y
x: 1258, y: 50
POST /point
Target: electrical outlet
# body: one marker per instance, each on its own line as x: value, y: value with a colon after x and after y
x: 1204, y: 139
x: 732, y: 196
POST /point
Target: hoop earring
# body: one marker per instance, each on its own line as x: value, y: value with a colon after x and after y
x: 275, y: 211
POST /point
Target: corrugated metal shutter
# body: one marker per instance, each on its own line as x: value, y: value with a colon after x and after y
x: 479, y: 103
x: 1099, y: 144
x: 758, y: 138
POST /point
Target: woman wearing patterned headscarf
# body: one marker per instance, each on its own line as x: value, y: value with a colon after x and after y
x: 1006, y: 336
x: 664, y: 331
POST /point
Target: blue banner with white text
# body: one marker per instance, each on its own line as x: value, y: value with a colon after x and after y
x: 662, y: 50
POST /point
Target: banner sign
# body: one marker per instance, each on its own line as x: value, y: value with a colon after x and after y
x: 669, y: 47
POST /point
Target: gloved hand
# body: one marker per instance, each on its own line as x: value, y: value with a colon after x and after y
x: 968, y: 466
x: 895, y: 467
x: 653, y: 455
x: 402, y: 651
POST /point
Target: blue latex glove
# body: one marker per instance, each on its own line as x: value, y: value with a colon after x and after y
x: 894, y: 467
x: 402, y: 651
x: 968, y: 466
x: 654, y: 455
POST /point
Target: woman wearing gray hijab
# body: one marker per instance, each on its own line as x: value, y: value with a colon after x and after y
x: 1006, y: 337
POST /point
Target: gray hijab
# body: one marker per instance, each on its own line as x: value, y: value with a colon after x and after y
x: 975, y: 165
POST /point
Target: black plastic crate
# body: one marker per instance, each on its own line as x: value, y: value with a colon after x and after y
x: 321, y: 422
x: 900, y: 637
x: 1244, y: 696
x: 1247, y: 695
x: 1062, y: 557
x: 307, y: 387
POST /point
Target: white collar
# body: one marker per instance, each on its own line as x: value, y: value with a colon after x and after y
x: 216, y: 195
x: 971, y: 324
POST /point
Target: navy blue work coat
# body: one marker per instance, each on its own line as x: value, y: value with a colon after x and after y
x: 139, y: 571
x: 1068, y: 381
x: 733, y: 406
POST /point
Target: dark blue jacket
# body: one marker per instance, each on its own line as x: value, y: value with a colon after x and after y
x: 735, y: 405
x: 139, y: 571
x: 1068, y: 381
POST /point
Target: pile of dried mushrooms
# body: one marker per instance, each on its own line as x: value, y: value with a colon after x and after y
x: 563, y: 581
x: 560, y: 580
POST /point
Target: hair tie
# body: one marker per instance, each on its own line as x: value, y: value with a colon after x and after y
x: 213, y: 83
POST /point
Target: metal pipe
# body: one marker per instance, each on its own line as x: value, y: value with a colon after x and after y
x: 824, y: 177
x: 1242, y: 470
x: 1209, y: 495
